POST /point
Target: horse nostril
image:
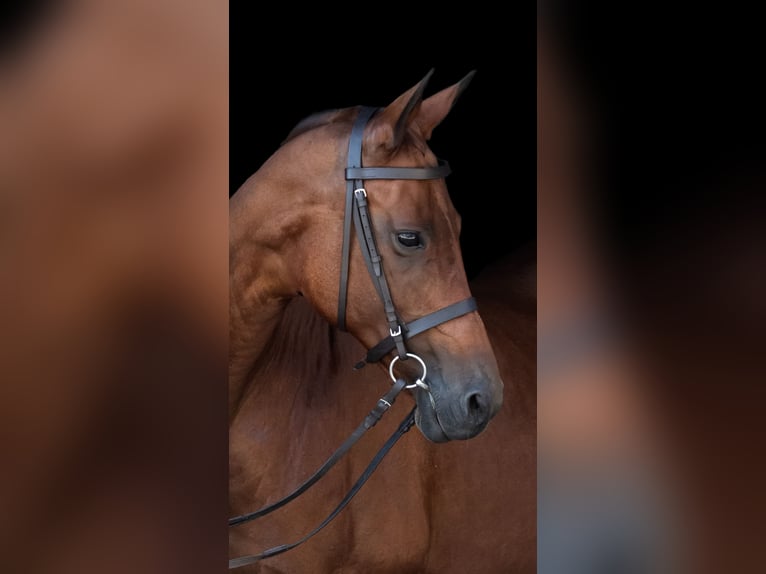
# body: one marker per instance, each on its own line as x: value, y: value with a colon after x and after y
x: 477, y: 406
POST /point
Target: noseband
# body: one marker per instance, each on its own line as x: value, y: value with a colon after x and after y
x: 399, y: 332
x: 356, y: 210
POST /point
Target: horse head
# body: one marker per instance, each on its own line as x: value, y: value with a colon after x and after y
x: 400, y: 261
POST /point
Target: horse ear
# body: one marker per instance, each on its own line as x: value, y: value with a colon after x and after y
x: 434, y: 109
x: 389, y: 125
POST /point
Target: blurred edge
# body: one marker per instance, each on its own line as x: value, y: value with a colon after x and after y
x: 652, y: 277
x: 113, y: 298
x: 113, y: 163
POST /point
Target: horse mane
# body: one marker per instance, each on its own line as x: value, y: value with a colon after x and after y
x: 316, y: 120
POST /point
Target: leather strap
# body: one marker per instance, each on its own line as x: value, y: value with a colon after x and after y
x: 403, y: 428
x: 436, y: 172
x: 354, y: 160
x: 372, y: 258
x: 356, y: 211
x: 417, y: 326
x: 383, y: 404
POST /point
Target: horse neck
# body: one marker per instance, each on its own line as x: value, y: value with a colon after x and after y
x: 269, y: 225
x: 306, y: 361
x: 261, y: 282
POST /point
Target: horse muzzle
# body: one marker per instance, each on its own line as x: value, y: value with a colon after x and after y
x: 461, y: 412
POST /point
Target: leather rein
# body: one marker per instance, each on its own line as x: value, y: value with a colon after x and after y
x: 356, y: 211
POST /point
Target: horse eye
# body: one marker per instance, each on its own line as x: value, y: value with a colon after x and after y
x: 408, y: 238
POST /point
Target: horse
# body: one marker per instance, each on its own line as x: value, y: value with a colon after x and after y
x: 304, y: 306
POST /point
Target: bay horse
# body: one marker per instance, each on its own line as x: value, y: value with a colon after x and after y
x: 304, y: 307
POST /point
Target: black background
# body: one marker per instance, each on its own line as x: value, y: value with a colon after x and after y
x: 285, y: 68
x: 679, y: 95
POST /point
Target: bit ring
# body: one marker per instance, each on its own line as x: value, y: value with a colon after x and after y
x: 420, y: 381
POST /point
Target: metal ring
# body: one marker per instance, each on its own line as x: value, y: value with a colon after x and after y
x: 419, y: 382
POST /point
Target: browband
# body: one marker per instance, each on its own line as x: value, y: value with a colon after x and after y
x: 441, y: 170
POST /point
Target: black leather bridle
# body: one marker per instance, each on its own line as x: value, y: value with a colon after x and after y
x: 356, y: 211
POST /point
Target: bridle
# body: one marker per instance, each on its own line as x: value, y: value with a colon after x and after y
x: 356, y: 211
